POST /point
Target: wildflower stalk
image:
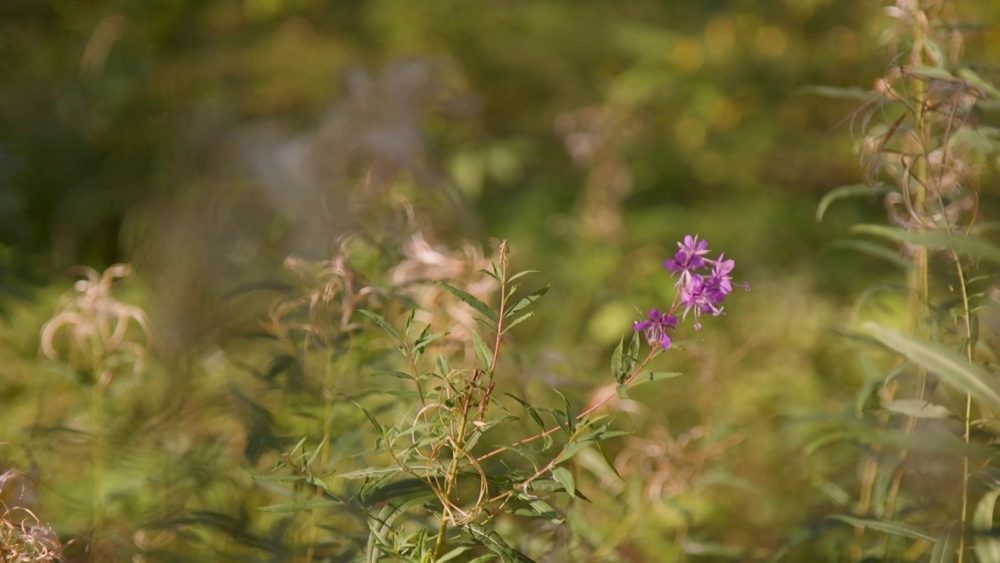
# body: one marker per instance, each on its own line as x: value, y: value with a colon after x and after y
x: 324, y: 451
x: 459, y: 443
x: 97, y: 416
x: 919, y: 285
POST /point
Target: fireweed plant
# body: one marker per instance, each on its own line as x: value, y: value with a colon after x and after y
x: 447, y: 480
x: 927, y: 415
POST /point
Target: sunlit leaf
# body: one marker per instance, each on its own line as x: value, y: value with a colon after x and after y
x: 647, y: 377
x: 309, y: 504
x: 987, y: 538
x: 873, y: 250
x: 952, y: 368
x: 944, y: 548
x: 845, y: 192
x: 382, y: 323
x: 476, y: 304
x: 917, y: 408
x: 493, y: 542
x: 527, y: 300
x: 565, y: 478
x: 888, y: 527
x: 966, y: 245
x: 483, y: 351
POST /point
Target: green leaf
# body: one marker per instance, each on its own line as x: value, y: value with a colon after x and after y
x: 977, y: 81
x: 482, y: 350
x: 518, y: 321
x: 369, y: 472
x: 887, y: 527
x: 453, y: 553
x: 297, y: 446
x: 565, y: 478
x: 568, y: 413
x: 944, y: 548
x: 987, y: 541
x: 527, y: 300
x: 383, y: 323
x: 571, y: 450
x: 633, y: 355
x: 933, y: 72
x: 616, y: 360
x: 965, y: 245
x: 371, y: 418
x: 874, y: 250
x: 653, y: 376
x: 852, y: 93
x: 395, y: 490
x: 845, y: 192
x: 607, y: 459
x: 476, y: 304
x: 298, y: 506
x: 936, y: 442
x: 545, y: 510
x: 493, y: 542
x: 917, y: 408
x: 952, y: 368
x: 318, y: 449
x: 277, y: 478
x: 521, y: 274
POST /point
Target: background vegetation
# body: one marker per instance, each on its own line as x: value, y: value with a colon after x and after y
x: 260, y: 163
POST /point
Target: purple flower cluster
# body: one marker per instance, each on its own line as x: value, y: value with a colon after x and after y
x: 702, y: 286
x: 656, y: 327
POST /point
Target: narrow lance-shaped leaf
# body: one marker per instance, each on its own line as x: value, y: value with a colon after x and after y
x: 383, y: 323
x: 952, y: 368
x: 647, y: 377
x: 917, y: 408
x: 844, y: 192
x: 476, y: 304
x: 987, y: 542
x: 482, y: 350
x: 965, y: 245
x: 873, y: 250
x: 888, y: 527
x: 518, y: 321
x: 944, y: 548
x: 527, y: 300
x: 298, y: 506
x: 616, y: 360
x: 565, y: 478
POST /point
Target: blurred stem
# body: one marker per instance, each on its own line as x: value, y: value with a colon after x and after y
x: 919, y: 285
x: 967, y: 435
x: 97, y: 416
x: 324, y: 451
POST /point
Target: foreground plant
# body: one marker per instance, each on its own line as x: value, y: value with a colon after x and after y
x: 446, y: 477
x: 925, y: 148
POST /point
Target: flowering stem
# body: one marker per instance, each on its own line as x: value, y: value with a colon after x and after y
x: 451, y: 476
x: 635, y: 373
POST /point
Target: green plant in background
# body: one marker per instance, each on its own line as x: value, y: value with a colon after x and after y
x: 930, y: 432
x: 100, y: 346
x: 448, y: 456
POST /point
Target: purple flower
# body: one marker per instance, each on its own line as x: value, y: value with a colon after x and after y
x: 702, y: 286
x: 656, y: 328
x: 688, y: 257
x: 700, y: 296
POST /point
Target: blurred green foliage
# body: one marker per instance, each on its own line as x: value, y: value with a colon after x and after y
x: 205, y: 142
